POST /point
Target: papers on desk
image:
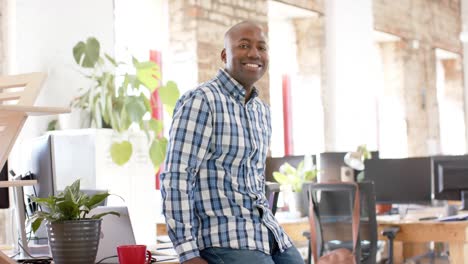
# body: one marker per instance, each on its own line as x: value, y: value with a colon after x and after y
x: 162, y: 249
x: 388, y: 218
x: 459, y: 217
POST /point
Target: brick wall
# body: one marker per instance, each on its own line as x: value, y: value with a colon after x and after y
x: 423, y: 25
x: 410, y: 81
x: 435, y: 22
x: 202, y: 24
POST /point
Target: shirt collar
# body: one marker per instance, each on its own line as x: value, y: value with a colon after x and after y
x: 234, y: 88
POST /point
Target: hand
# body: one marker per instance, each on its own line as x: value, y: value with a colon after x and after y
x: 196, y: 260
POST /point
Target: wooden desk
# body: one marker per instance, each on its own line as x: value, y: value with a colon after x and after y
x: 454, y: 233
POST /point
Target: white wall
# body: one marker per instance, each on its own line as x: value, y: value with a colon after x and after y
x: 351, y: 91
x: 43, y: 34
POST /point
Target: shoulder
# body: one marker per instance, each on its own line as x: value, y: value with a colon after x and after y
x: 207, y: 92
x: 203, y: 95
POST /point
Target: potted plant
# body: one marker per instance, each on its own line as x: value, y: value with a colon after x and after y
x: 73, y: 233
x: 293, y: 179
x: 120, y: 99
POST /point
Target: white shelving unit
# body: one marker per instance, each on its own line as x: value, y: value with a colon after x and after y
x: 17, y: 96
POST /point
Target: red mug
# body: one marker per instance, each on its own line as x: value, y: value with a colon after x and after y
x: 133, y: 254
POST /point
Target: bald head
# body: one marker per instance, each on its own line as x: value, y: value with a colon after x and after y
x: 239, y: 26
x: 245, y: 53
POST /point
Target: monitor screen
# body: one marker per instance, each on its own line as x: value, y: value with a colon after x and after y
x: 404, y: 181
x: 4, y: 194
x: 450, y: 176
x: 331, y: 163
x: 42, y: 168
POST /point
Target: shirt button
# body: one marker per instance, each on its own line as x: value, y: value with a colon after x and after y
x: 191, y: 170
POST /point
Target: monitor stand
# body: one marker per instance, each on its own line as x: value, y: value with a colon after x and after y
x: 464, y: 199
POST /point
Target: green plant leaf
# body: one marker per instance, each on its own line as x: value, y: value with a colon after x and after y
x: 169, y: 95
x: 36, y: 224
x: 87, y: 54
x: 280, y: 178
x: 135, y: 108
x: 69, y: 209
x: 121, y: 152
x: 110, y: 59
x: 287, y: 169
x: 148, y: 73
x: 310, y: 175
x: 157, y: 151
x: 52, y: 125
x: 96, y: 199
x: 99, y: 216
x: 156, y: 125
x: 71, y: 204
x: 125, y: 121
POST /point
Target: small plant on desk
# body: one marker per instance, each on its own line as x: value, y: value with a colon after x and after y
x: 67, y: 216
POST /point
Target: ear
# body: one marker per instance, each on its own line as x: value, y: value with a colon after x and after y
x: 223, y: 55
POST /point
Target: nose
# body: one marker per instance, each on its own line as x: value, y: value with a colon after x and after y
x: 253, y: 53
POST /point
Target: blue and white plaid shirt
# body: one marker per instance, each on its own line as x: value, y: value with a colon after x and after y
x: 213, y: 182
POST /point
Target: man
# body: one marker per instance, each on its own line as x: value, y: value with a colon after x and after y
x: 213, y: 183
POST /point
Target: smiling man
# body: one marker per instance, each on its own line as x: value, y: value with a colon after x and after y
x: 213, y: 183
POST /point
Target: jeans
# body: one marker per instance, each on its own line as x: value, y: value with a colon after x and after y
x: 216, y: 255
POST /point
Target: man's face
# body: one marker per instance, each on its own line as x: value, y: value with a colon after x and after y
x: 246, y: 54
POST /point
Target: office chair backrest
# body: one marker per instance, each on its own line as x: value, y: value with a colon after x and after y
x: 333, y: 208
x: 272, y: 190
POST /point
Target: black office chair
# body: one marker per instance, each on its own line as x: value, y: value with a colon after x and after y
x: 272, y: 190
x: 333, y: 205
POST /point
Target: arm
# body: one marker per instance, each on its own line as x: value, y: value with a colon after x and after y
x: 189, y: 141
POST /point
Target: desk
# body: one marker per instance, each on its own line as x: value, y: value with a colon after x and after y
x: 455, y: 233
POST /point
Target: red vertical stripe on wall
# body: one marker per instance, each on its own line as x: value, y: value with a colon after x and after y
x: 156, y: 105
x: 287, y: 114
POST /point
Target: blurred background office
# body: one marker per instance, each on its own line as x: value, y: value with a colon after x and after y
x: 388, y: 74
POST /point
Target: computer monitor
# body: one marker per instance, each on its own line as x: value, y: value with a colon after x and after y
x: 401, y: 181
x: 450, y: 176
x: 332, y: 162
x: 42, y: 169
x: 4, y: 193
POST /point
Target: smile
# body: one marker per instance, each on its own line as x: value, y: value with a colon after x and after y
x: 252, y: 65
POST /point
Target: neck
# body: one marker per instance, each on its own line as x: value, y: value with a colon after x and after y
x: 248, y: 93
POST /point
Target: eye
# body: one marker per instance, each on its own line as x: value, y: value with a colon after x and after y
x: 262, y: 48
x: 244, y: 46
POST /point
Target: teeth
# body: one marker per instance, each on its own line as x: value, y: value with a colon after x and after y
x: 252, y: 65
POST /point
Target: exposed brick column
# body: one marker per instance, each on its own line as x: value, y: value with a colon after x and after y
x: 454, y: 97
x: 432, y: 24
x: 200, y: 27
x: 435, y: 22
x: 310, y: 41
x: 392, y: 123
x: 422, y: 111
x: 409, y: 81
